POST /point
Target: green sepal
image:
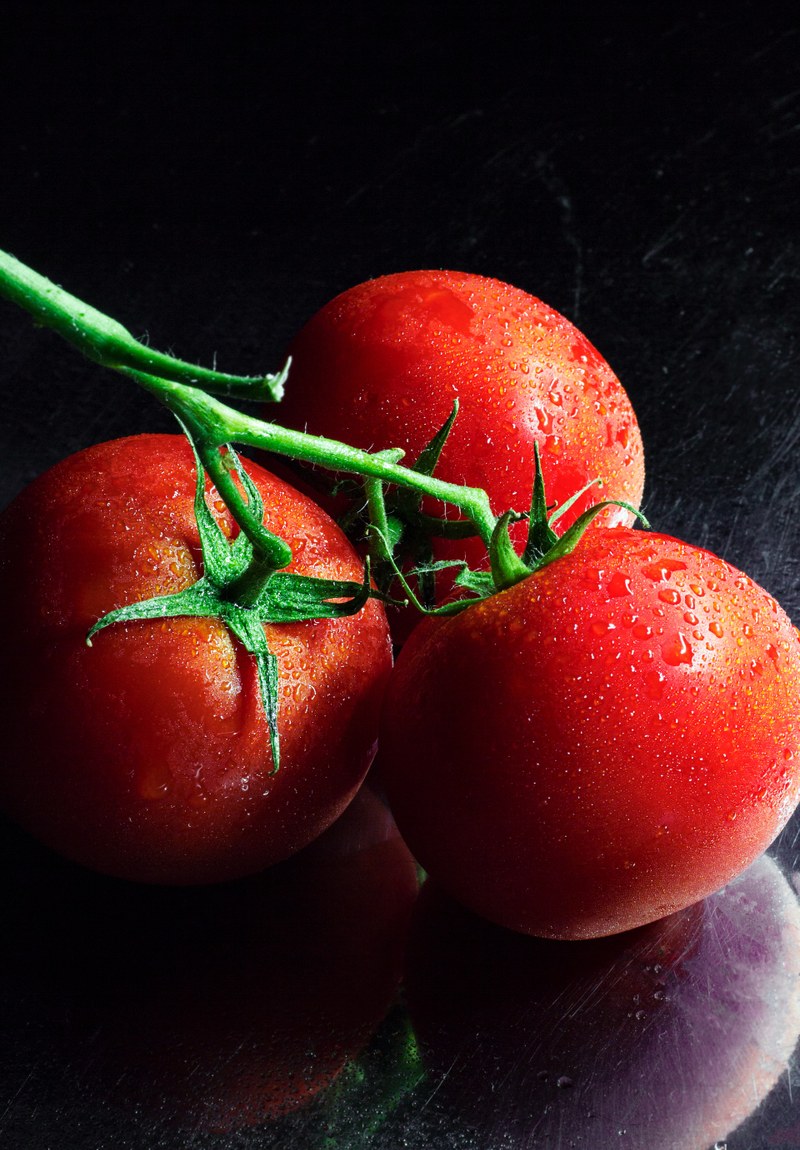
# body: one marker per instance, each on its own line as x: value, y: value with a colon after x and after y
x: 409, y: 502
x: 571, y: 537
x: 290, y: 598
x: 480, y: 583
x: 235, y: 589
x: 507, y: 567
x: 249, y: 630
x: 541, y: 536
x: 419, y: 573
x: 201, y: 600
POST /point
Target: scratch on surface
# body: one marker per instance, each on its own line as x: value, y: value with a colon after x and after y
x: 16, y: 1094
x: 555, y: 185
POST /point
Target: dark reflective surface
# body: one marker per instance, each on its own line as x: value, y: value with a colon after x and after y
x: 667, y: 1037
x: 270, y: 1013
x: 198, y: 1012
x: 211, y: 175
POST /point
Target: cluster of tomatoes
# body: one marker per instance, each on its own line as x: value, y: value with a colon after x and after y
x: 606, y: 741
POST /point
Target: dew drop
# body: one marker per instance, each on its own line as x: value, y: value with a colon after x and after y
x: 678, y: 651
x: 602, y: 627
x: 663, y: 569
x: 619, y: 584
x: 716, y: 629
x: 669, y: 595
x: 564, y: 1082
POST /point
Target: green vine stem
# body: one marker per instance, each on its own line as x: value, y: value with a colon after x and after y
x: 106, y: 341
x: 187, y: 391
x: 213, y: 424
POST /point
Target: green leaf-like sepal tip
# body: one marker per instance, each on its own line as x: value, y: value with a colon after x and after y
x: 543, y: 544
x: 235, y: 589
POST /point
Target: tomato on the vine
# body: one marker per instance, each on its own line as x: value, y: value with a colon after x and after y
x: 609, y: 740
x: 147, y: 755
x: 381, y: 365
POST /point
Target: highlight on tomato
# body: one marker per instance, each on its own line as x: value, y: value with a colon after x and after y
x: 149, y: 754
x: 607, y: 741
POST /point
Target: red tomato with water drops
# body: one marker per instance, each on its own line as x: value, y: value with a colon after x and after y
x: 606, y: 742
x: 147, y: 755
x: 381, y: 364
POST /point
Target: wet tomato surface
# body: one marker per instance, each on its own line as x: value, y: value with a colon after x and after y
x: 147, y: 754
x: 608, y: 741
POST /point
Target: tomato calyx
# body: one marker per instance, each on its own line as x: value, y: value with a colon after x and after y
x: 243, y: 591
x: 543, y: 546
x: 398, y: 525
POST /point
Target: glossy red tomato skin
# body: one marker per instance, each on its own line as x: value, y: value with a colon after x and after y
x: 608, y: 741
x: 146, y: 755
x: 381, y: 364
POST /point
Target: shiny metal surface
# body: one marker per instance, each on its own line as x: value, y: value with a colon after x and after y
x: 214, y: 175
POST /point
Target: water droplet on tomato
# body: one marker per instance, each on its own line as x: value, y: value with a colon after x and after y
x: 642, y: 631
x: 690, y: 617
x: 677, y: 651
x: 669, y: 595
x: 602, y: 627
x: 716, y: 629
x: 619, y: 585
x: 663, y: 569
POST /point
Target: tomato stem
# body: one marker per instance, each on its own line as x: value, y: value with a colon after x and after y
x: 184, y: 388
x: 106, y: 341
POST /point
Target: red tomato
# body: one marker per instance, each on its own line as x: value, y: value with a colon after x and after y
x: 147, y: 755
x: 608, y: 741
x: 380, y: 365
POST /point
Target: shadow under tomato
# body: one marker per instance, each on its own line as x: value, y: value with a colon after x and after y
x: 665, y: 1038
x: 204, y: 1009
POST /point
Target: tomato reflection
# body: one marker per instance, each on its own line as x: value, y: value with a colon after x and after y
x: 667, y: 1037
x: 222, y: 1007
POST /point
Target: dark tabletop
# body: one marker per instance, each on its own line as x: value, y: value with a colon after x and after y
x: 212, y: 174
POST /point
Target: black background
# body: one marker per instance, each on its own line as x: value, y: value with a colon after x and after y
x: 212, y: 174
